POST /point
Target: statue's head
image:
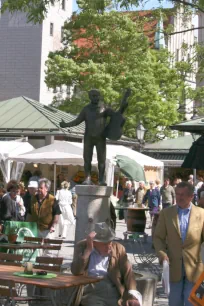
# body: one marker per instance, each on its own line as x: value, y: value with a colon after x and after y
x: 94, y: 96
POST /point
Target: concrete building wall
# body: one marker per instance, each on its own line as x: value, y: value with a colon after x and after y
x: 200, y: 82
x: 24, y: 48
x: 175, y: 43
x: 20, y: 53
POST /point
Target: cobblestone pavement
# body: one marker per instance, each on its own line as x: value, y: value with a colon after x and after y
x: 132, y: 248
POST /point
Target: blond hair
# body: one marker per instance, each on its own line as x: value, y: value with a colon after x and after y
x: 157, y: 181
x: 65, y: 184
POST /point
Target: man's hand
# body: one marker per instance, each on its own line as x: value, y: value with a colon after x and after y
x: 89, y: 241
x: 63, y: 124
x: 52, y: 229
x: 132, y: 302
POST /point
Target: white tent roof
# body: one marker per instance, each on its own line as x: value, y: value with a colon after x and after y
x: 140, y: 158
x: 73, y: 154
x: 14, y: 148
x: 60, y: 153
x: 54, y: 157
x: 113, y: 150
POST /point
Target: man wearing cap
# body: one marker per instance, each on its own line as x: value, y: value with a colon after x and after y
x: 99, y: 256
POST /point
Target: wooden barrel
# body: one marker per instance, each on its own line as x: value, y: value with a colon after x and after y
x: 136, y: 220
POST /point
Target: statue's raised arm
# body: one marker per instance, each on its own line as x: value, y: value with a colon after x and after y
x: 77, y: 121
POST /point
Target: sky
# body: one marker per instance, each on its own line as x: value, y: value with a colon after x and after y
x: 150, y: 4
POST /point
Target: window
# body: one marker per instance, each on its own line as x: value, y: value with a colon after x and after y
x: 63, y: 5
x: 51, y: 29
x: 177, y: 55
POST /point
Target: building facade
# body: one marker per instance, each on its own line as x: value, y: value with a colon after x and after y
x: 181, y: 23
x: 24, y: 48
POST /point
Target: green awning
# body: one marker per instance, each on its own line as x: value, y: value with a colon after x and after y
x: 130, y: 168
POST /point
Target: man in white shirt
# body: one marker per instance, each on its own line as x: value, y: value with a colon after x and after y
x: 99, y: 256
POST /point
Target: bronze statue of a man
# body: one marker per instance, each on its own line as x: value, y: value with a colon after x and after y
x: 94, y: 114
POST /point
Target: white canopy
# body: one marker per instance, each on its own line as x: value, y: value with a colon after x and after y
x: 143, y: 160
x: 66, y: 153
x: 58, y: 153
x: 8, y: 149
x: 55, y: 157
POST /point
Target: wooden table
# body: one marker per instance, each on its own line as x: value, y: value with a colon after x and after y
x: 62, y: 281
x: 28, y: 246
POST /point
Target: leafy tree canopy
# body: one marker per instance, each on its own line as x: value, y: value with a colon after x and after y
x: 36, y: 10
x: 114, y: 54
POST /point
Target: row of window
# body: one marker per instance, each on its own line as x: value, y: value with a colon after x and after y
x: 52, y: 30
x: 63, y: 4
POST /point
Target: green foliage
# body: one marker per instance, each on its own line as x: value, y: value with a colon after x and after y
x: 114, y: 55
x: 36, y: 10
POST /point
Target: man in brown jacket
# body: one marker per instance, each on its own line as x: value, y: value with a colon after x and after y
x: 177, y: 239
x: 99, y: 256
x: 44, y: 210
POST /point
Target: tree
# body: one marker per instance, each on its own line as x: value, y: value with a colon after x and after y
x: 114, y: 54
x: 36, y: 10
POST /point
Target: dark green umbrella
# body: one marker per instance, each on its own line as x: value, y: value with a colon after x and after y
x: 130, y: 168
x: 195, y: 157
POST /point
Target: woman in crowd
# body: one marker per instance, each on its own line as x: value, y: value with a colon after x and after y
x: 12, y: 206
x: 152, y: 196
x: 64, y: 197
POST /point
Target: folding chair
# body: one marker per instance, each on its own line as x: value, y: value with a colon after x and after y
x: 33, y: 239
x: 11, y: 259
x: 49, y: 263
x: 9, y: 296
x: 53, y: 241
x: 56, y: 245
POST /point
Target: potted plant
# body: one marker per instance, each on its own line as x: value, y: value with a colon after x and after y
x: 13, y: 234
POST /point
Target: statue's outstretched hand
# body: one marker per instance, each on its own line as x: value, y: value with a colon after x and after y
x: 63, y: 124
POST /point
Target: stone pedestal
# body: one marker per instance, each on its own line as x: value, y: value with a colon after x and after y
x: 93, y: 206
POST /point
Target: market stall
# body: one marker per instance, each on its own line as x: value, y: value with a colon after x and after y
x: 55, y: 157
x: 9, y: 169
x: 71, y: 153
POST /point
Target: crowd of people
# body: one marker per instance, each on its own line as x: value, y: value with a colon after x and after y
x: 157, y: 196
x: 37, y: 204
x: 177, y: 237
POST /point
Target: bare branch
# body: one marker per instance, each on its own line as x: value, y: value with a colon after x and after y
x: 195, y: 6
x: 183, y: 31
